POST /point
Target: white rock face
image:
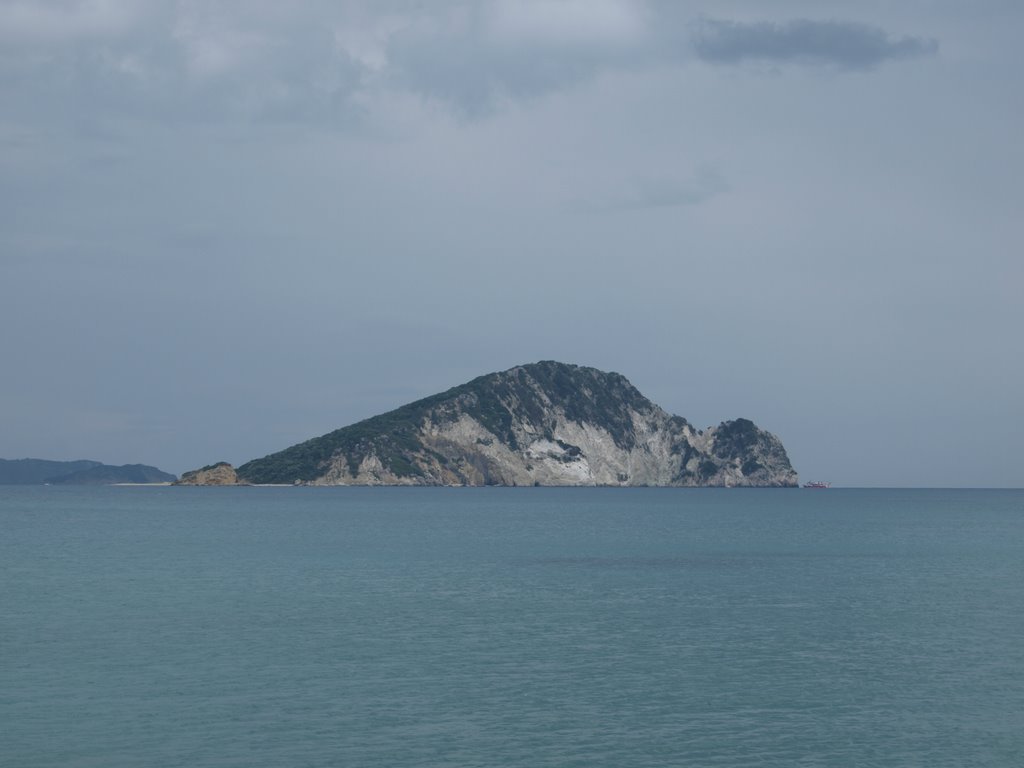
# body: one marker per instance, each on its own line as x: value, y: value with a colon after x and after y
x: 575, y: 455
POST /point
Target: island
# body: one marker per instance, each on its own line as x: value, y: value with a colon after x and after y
x: 541, y: 424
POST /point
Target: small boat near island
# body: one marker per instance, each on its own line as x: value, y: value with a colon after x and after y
x: 817, y: 484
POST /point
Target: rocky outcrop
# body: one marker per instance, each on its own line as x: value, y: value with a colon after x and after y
x: 547, y: 423
x: 220, y: 473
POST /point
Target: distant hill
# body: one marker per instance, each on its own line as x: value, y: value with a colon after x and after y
x: 545, y: 423
x: 39, y: 471
x: 109, y: 475
x: 83, y: 472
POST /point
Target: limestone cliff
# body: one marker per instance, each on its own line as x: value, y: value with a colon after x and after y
x: 547, y: 423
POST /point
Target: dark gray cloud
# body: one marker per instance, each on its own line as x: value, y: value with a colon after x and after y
x: 844, y: 44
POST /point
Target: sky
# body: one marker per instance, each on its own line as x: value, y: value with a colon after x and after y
x: 226, y: 227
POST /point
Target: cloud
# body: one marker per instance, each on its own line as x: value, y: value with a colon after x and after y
x: 848, y: 45
x: 105, y: 59
x: 471, y: 59
x: 29, y: 23
x: 565, y: 22
x: 334, y: 64
x: 664, y: 191
x: 211, y: 52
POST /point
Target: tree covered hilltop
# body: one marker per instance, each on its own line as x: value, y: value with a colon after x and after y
x: 545, y: 423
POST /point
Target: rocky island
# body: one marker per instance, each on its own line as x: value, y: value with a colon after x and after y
x: 545, y: 423
x: 220, y: 473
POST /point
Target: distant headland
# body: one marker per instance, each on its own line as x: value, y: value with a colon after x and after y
x: 546, y: 423
x: 81, y: 472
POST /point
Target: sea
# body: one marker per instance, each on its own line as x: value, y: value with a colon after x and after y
x: 528, y: 627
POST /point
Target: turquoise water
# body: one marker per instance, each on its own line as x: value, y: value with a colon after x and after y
x: 510, y: 627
